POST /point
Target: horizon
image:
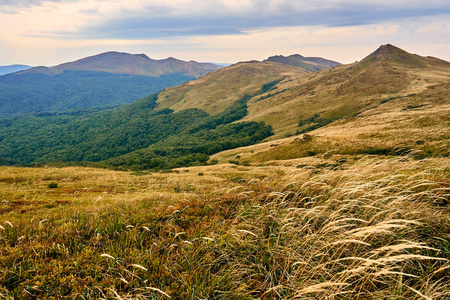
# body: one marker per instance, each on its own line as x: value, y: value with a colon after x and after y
x: 48, y: 33
x: 223, y: 64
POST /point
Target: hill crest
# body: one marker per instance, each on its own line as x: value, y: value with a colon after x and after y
x: 311, y: 64
x: 131, y: 64
x: 390, y: 54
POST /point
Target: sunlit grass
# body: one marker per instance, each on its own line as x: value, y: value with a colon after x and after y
x: 373, y: 228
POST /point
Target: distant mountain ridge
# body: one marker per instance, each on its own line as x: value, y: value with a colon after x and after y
x: 131, y: 64
x: 308, y: 63
x: 12, y: 69
x: 111, y: 79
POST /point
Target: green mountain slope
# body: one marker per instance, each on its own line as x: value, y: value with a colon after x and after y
x: 296, y: 97
x: 218, y: 90
x: 350, y: 90
x: 131, y: 64
x: 106, y: 79
x: 36, y: 92
x: 134, y: 136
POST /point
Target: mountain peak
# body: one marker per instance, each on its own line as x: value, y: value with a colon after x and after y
x: 391, y: 54
x: 389, y: 50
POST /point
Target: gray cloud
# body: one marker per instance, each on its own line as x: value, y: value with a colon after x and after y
x: 164, y: 25
x: 160, y: 20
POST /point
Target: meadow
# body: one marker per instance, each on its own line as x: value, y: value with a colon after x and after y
x: 317, y: 227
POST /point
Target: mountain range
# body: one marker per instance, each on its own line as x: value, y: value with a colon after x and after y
x: 12, y: 69
x: 389, y: 101
x: 130, y: 64
x: 107, y: 79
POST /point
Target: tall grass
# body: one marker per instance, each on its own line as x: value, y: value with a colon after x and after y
x: 373, y: 230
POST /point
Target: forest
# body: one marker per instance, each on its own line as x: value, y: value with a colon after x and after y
x: 136, y: 136
x: 24, y: 93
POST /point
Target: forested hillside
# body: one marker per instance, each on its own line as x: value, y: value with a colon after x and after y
x: 135, y: 136
x: 110, y: 78
x: 37, y: 92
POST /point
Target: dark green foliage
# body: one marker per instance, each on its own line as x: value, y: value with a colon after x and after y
x: 131, y: 137
x: 308, y: 121
x: 316, y: 122
x: 37, y: 92
x: 186, y: 149
x: 52, y: 185
x: 231, y: 114
x: 376, y: 151
x: 270, y: 85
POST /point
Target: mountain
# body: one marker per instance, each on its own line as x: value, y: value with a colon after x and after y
x: 296, y: 96
x: 12, y: 69
x: 349, y: 90
x: 308, y: 63
x: 131, y: 64
x: 388, y: 101
x: 221, y: 89
x: 392, y: 102
x: 107, y: 79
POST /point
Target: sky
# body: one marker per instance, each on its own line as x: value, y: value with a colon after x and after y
x: 50, y: 32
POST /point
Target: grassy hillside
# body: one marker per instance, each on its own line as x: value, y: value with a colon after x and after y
x: 218, y: 90
x: 386, y: 106
x: 311, y: 64
x: 389, y: 79
x: 372, y: 228
x: 384, y: 81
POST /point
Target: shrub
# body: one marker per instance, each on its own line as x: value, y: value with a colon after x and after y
x: 52, y: 185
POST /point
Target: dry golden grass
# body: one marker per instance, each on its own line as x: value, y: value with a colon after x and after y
x: 307, y: 228
x: 219, y: 90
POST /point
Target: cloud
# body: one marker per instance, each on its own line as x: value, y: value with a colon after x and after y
x: 221, y: 30
x: 150, y: 25
x: 140, y: 19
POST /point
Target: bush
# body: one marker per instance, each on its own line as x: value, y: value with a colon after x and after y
x: 246, y: 163
x: 52, y: 185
